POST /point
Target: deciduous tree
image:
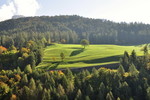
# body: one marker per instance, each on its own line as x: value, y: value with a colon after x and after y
x: 84, y: 43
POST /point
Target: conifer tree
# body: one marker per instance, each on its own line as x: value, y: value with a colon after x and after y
x: 126, y: 54
x: 32, y: 84
x: 39, y: 87
x: 39, y: 90
x: 102, y: 88
x: 25, y: 94
x: 95, y: 72
x: 65, y: 81
x: 18, y: 70
x: 148, y: 93
x: 125, y: 90
x: 132, y: 70
x: 69, y: 75
x: 87, y: 72
x: 100, y: 95
x: 28, y: 69
x: 31, y: 60
x: 125, y: 61
x: 70, y: 87
x: 121, y: 70
x: 133, y: 57
x: 46, y: 94
x: 79, y: 95
x: 145, y: 49
x: 89, y: 91
x: 60, y: 90
x: 110, y: 96
x: 24, y: 79
x: 87, y: 98
x: 39, y: 56
x: 118, y: 98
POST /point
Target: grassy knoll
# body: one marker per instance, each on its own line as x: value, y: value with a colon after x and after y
x: 76, y: 56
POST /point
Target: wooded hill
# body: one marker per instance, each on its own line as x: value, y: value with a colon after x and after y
x: 72, y: 29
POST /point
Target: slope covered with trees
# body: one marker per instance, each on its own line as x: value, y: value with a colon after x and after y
x: 72, y: 29
x: 128, y: 82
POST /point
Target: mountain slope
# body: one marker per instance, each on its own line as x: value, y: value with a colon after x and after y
x: 74, y: 28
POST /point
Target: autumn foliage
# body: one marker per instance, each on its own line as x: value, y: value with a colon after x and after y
x: 25, y: 50
x: 13, y: 97
x: 2, y: 49
x: 59, y: 72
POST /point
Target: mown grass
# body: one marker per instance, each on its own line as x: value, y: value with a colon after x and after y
x: 76, y: 56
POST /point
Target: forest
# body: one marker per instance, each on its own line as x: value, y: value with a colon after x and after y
x: 22, y: 45
x: 130, y: 81
x: 72, y: 29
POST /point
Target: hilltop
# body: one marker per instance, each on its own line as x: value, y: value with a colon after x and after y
x: 74, y: 28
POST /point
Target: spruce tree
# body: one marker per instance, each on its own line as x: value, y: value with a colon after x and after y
x: 102, y: 88
x: 118, y: 98
x: 148, y: 93
x: 121, y: 70
x: 31, y: 60
x: 46, y: 94
x: 32, y: 84
x: 89, y: 91
x: 125, y: 90
x: 110, y: 96
x: 100, y: 95
x: 132, y: 70
x: 18, y: 70
x: 28, y: 69
x: 25, y: 94
x: 69, y: 75
x: 60, y: 90
x: 145, y: 49
x: 133, y: 57
x: 24, y: 80
x: 79, y: 95
x: 125, y: 61
x: 39, y: 90
x: 95, y: 72
x: 87, y: 98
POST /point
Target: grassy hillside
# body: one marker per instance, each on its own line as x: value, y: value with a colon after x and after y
x: 75, y: 56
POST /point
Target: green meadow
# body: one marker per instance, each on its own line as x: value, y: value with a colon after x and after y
x: 76, y: 56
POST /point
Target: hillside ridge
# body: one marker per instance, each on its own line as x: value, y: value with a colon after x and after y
x: 74, y: 28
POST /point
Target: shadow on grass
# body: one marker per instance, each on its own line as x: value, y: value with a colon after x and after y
x: 55, y: 65
x: 76, y: 52
x: 74, y: 47
x: 100, y: 60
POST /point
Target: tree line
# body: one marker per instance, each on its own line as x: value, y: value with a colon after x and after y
x: 72, y: 29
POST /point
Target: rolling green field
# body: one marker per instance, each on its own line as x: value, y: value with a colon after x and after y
x: 76, y: 56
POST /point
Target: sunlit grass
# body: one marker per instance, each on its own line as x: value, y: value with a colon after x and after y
x: 76, y: 56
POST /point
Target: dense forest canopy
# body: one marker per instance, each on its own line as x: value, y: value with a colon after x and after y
x: 130, y: 81
x: 72, y: 29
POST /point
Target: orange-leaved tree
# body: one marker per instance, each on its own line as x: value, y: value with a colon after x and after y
x: 2, y: 49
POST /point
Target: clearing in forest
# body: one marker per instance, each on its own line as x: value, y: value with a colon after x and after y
x: 76, y: 56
